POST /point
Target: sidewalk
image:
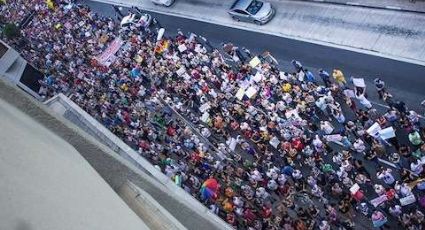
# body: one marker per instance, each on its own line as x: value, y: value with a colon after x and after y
x: 400, y: 5
x: 387, y: 33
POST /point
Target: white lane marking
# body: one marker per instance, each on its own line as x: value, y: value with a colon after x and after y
x: 386, y: 106
x: 393, y: 7
x: 353, y: 4
x: 257, y: 29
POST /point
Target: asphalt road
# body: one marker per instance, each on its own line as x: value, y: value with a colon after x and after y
x: 405, y: 81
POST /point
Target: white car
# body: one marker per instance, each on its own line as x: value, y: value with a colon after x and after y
x: 139, y: 20
x: 163, y: 2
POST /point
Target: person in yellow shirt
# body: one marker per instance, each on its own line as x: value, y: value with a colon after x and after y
x: 339, y: 77
x: 286, y: 87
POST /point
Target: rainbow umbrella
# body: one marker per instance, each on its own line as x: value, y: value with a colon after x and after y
x: 209, y: 188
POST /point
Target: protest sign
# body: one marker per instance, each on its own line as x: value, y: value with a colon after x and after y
x: 359, y: 82
x: 240, y: 94
x: 250, y: 92
x: 107, y: 56
x: 374, y: 130
x: 407, y: 200
x: 379, y: 200
x: 274, y: 142
x: 387, y: 133
x: 254, y: 62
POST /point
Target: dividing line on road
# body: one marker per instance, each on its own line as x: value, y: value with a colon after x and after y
x: 387, y: 107
x: 258, y: 29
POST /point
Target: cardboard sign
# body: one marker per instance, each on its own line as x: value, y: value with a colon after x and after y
x: 387, y: 133
x: 359, y: 82
x: 240, y: 94
x: 254, y: 62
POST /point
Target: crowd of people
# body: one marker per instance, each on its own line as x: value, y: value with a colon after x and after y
x: 262, y: 148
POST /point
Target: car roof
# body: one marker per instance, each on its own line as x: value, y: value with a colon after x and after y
x: 240, y: 4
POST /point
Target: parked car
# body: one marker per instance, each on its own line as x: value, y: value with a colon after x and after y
x: 255, y: 11
x: 139, y: 20
x: 163, y: 2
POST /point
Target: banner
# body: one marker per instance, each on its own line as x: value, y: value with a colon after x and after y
x: 107, y: 56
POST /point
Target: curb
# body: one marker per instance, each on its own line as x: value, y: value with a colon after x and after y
x: 392, y: 8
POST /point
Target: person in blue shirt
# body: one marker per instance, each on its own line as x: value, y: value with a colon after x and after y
x: 309, y: 77
x: 325, y: 78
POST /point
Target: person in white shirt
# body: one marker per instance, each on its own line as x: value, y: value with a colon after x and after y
x: 359, y: 146
x: 386, y: 176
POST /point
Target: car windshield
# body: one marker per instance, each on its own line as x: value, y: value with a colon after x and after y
x: 254, y: 7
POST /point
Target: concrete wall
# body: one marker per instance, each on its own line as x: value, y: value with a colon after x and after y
x: 115, y: 169
x: 46, y: 184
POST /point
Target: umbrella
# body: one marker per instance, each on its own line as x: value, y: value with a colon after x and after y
x: 211, y: 184
x: 207, y: 193
x: 209, y: 188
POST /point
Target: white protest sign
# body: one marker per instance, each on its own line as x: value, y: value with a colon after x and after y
x: 250, y: 92
x: 258, y: 77
x: 407, y: 200
x: 240, y: 94
x: 254, y: 62
x: 160, y: 34
x: 205, y: 116
x: 182, y: 48
x: 334, y: 137
x: 274, y: 142
x: 374, y: 129
x: 359, y: 82
x: 181, y: 71
x: 387, y: 133
x: 355, y: 188
x: 349, y: 93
